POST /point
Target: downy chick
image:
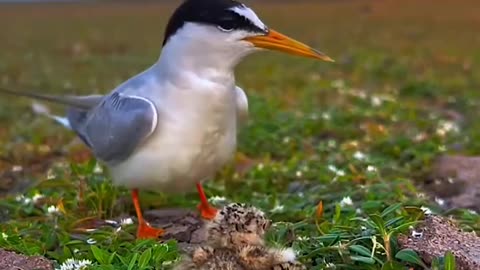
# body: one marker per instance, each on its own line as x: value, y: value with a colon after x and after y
x: 235, y: 242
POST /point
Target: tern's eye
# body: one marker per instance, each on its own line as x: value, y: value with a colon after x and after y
x: 228, y: 22
x: 226, y: 25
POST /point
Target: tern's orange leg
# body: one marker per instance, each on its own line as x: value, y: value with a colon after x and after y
x: 206, y: 210
x: 144, y: 230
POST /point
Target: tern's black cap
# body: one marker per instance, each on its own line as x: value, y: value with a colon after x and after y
x: 213, y: 12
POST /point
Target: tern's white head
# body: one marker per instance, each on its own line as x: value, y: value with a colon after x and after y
x: 219, y: 33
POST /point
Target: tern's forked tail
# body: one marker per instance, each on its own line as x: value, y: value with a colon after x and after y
x: 82, y: 103
x: 79, y: 102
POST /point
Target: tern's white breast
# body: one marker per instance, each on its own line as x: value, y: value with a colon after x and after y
x: 195, y: 136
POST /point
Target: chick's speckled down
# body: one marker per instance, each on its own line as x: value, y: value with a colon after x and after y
x: 236, y: 242
x: 237, y: 224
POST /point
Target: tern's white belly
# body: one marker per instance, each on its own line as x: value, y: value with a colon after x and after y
x: 187, y: 147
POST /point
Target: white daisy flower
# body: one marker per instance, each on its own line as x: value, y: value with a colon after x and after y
x: 426, y: 210
x: 445, y: 127
x: 376, y: 101
x: 440, y: 201
x: 91, y: 241
x: 98, y: 169
x: 126, y: 221
x: 27, y: 201
x: 24, y: 200
x: 52, y: 209
x: 277, y: 209
x: 473, y: 212
x: 335, y: 170
x: 17, y: 168
x: 330, y: 266
x: 346, y: 201
x: 359, y: 156
x: 217, y: 199
x: 73, y: 264
x: 51, y: 174
x: 37, y: 197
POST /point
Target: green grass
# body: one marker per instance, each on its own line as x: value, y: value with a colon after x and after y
x: 364, y: 128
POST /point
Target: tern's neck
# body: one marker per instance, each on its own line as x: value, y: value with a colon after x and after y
x: 182, y: 59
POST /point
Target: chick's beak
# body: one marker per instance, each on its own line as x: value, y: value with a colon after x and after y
x: 274, y: 40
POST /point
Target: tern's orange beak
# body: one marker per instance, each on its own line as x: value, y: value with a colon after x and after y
x: 279, y: 42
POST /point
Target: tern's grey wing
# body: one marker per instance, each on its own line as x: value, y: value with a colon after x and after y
x: 242, y: 105
x: 116, y: 127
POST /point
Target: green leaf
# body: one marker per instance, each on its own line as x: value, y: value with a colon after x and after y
x: 404, y: 226
x: 160, y: 253
x: 367, y: 222
x: 393, y: 221
x: 329, y: 239
x: 409, y: 255
x: 100, y: 255
x: 112, y: 256
x: 132, y: 261
x: 361, y: 250
x: 74, y: 242
x: 371, y: 206
x: 102, y: 267
x: 66, y: 252
x: 362, y: 259
x: 393, y: 265
x: 392, y: 208
x: 338, y: 213
x: 90, y: 167
x: 380, y: 223
x: 51, y: 241
x: 435, y: 264
x: 122, y: 259
x: 449, y: 261
x: 145, y: 258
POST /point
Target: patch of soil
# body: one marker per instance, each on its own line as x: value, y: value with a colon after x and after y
x: 438, y: 235
x: 183, y: 225
x: 456, y: 180
x: 13, y: 261
x: 13, y: 181
x: 17, y: 178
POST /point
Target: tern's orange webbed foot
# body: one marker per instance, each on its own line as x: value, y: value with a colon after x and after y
x: 146, y: 231
x: 206, y: 210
